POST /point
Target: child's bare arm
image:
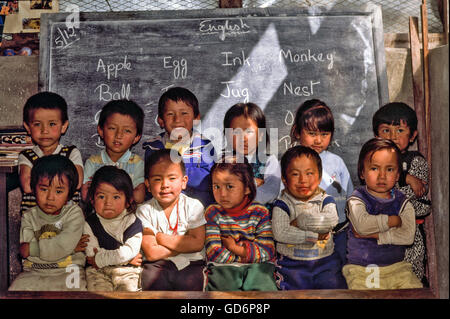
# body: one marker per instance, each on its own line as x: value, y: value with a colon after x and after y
x: 84, y: 190
x: 417, y: 185
x: 24, y: 177
x: 82, y: 244
x: 80, y: 176
x: 139, y: 193
x: 229, y: 243
x: 192, y: 241
x: 151, y: 249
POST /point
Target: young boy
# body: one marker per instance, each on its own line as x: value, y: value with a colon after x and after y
x: 398, y: 123
x: 120, y: 126
x: 302, y: 220
x: 173, y: 228
x: 45, y: 119
x: 50, y: 231
x: 177, y: 110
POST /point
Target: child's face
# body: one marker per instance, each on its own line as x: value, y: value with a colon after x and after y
x: 46, y: 128
x: 317, y: 140
x: 302, y: 177
x: 109, y: 202
x: 119, y: 133
x: 380, y: 172
x: 399, y: 134
x: 248, y: 143
x: 228, y: 189
x: 166, y: 181
x: 52, y: 195
x: 178, y: 117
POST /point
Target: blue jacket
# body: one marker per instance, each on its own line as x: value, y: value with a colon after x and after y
x: 198, y: 159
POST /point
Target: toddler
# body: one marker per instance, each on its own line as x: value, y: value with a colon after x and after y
x: 239, y: 241
x: 120, y: 126
x: 382, y: 223
x: 174, y: 228
x: 303, y: 219
x: 398, y: 123
x: 50, y: 231
x: 114, y: 233
x: 314, y: 127
x: 245, y: 126
x: 45, y: 119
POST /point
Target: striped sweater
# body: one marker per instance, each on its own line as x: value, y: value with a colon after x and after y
x: 253, y: 227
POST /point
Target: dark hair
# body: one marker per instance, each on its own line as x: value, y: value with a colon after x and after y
x: 243, y: 171
x: 313, y: 115
x: 392, y: 114
x: 370, y: 147
x: 298, y: 151
x: 162, y: 155
x: 45, y: 100
x: 178, y: 94
x: 116, y: 177
x: 54, y: 165
x: 124, y: 107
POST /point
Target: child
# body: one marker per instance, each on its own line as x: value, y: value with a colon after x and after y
x: 398, y: 123
x: 115, y: 234
x: 177, y: 111
x: 174, y: 228
x: 248, y: 123
x: 239, y: 239
x: 382, y: 223
x: 303, y: 219
x: 45, y: 119
x: 120, y: 126
x: 314, y: 127
x: 50, y: 231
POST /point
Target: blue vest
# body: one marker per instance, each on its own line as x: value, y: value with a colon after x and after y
x: 105, y: 240
x: 366, y: 251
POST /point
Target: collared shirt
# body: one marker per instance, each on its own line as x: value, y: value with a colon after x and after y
x: 129, y: 162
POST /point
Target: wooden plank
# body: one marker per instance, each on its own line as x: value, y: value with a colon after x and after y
x: 230, y: 3
x: 291, y: 294
x: 416, y: 67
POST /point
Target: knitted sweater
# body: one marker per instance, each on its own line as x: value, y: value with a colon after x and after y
x: 252, y: 227
x: 317, y: 215
x: 52, y: 238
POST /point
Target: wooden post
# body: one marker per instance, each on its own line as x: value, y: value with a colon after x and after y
x: 230, y: 3
x: 416, y: 67
x: 429, y: 223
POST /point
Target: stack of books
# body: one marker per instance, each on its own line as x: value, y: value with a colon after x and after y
x: 13, y: 140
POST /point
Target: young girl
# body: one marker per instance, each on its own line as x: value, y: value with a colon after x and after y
x: 244, y: 129
x: 313, y: 127
x: 382, y: 223
x: 115, y: 234
x: 239, y: 241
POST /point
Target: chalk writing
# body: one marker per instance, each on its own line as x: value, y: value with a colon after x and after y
x: 236, y: 92
x: 66, y: 38
x: 300, y: 90
x: 307, y: 56
x: 179, y: 66
x: 112, y: 69
x: 105, y: 94
x: 223, y: 29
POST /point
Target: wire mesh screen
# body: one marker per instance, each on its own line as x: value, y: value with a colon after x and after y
x: 396, y: 13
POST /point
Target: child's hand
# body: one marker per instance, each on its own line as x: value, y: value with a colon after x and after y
x: 294, y: 223
x: 259, y: 182
x: 82, y: 244
x: 394, y: 221
x: 91, y: 260
x: 323, y: 236
x: 417, y: 185
x: 228, y: 242
x: 375, y: 236
x: 136, y: 261
x: 24, y: 250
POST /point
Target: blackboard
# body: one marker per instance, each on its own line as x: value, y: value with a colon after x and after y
x: 276, y: 58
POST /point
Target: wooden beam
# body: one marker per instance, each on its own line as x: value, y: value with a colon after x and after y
x: 230, y: 3
x: 417, y: 74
